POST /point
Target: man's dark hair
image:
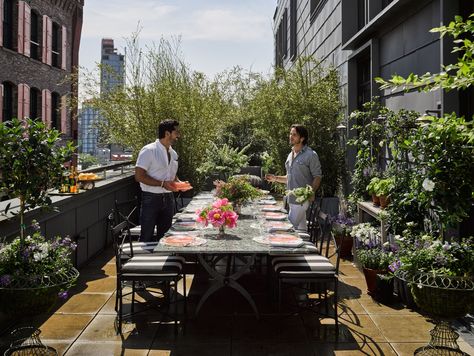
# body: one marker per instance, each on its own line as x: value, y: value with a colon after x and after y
x: 302, y: 131
x: 167, y: 125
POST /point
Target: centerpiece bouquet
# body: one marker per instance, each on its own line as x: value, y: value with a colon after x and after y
x: 220, y: 214
x: 302, y: 194
x: 237, y: 190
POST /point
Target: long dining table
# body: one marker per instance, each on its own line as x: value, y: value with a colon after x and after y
x: 251, y: 237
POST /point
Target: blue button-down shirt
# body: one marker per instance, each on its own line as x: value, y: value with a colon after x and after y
x: 302, y: 169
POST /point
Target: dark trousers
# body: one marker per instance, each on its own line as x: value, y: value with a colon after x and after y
x: 156, y: 210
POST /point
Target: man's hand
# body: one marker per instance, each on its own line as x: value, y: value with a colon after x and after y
x: 168, y: 185
x: 270, y: 178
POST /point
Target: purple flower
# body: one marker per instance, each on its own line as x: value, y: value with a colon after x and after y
x: 5, y: 280
x: 35, y: 225
x: 394, y: 266
x: 63, y: 295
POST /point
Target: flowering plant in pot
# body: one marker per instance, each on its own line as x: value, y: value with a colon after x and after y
x: 374, y: 261
x: 31, y: 162
x: 341, y: 227
x: 237, y: 190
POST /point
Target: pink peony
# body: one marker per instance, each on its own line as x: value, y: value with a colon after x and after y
x: 219, y: 203
x: 230, y: 218
x: 216, y: 217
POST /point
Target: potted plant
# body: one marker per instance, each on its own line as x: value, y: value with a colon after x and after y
x: 364, y: 234
x: 33, y: 270
x: 374, y: 261
x: 372, y: 190
x: 238, y: 190
x: 382, y: 188
x: 384, y: 287
x: 341, y: 228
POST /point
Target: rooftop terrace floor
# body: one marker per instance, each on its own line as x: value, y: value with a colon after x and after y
x: 226, y: 325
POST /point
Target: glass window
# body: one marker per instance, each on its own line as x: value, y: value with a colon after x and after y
x: 35, y: 103
x: 8, y: 23
x: 8, y: 100
x: 35, y: 35
x: 56, y: 45
x: 55, y: 111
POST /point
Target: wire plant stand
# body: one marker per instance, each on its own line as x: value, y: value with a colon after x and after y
x: 444, y: 298
x: 27, y: 342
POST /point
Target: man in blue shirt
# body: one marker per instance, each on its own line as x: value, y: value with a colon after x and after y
x: 302, y: 168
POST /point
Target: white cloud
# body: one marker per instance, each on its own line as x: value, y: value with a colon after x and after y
x: 117, y: 19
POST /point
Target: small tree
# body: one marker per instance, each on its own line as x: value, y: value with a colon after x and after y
x: 31, y: 162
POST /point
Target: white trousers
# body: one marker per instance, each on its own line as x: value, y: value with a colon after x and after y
x: 297, y: 215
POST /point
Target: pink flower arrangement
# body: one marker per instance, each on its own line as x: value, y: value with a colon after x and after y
x: 219, y: 214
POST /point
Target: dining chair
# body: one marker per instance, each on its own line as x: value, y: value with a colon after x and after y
x: 151, y: 268
x: 317, y: 272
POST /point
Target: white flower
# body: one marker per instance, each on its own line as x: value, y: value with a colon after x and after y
x: 365, y: 142
x: 428, y: 185
x: 38, y: 256
x: 386, y: 244
x: 353, y: 114
x: 398, y: 238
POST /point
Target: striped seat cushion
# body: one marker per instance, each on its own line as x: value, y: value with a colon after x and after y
x: 303, y: 266
x: 136, y: 231
x: 138, y: 247
x: 154, y: 264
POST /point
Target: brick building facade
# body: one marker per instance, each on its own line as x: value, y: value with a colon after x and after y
x: 39, y: 49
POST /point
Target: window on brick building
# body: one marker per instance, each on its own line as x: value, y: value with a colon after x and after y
x: 9, y: 111
x: 35, y: 42
x: 56, y: 45
x: 362, y: 13
x: 35, y: 103
x: 55, y: 111
x: 8, y: 23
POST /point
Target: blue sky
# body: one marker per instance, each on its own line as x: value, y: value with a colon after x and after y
x: 215, y: 34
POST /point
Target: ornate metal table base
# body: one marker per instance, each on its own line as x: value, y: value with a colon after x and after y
x: 228, y: 279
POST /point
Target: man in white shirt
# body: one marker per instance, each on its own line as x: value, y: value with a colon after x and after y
x: 155, y: 170
x: 302, y: 168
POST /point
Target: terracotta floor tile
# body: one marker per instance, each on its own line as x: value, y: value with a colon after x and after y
x: 357, y: 283
x: 91, y: 284
x: 194, y: 350
x: 403, y: 328
x: 362, y: 329
x: 196, y: 331
x: 350, y: 306
x: 272, y: 348
x: 271, y: 329
x: 371, y: 306
x: 353, y: 349
x: 64, y: 326
x: 107, y: 270
x: 84, y: 303
x: 347, y: 270
x: 104, y: 349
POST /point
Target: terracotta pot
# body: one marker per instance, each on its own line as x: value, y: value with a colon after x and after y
x: 375, y: 200
x: 371, y: 279
x: 345, y: 246
x: 384, y: 200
